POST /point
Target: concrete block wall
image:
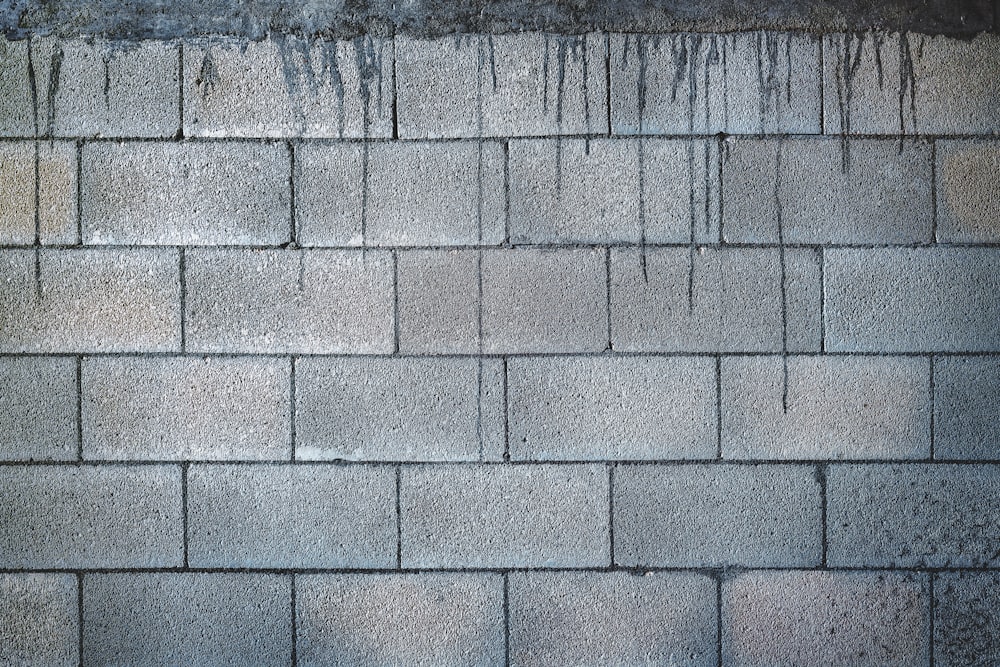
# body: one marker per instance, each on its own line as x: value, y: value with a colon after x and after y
x: 518, y: 349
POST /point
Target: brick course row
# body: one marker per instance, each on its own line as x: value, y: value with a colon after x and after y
x: 567, y: 618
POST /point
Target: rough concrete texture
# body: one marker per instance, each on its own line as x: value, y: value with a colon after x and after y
x: 154, y: 193
x: 90, y: 301
x: 398, y: 194
x: 38, y: 409
x: 829, y: 408
x: 912, y: 300
x: 716, y: 516
x: 267, y: 516
x: 966, y: 618
x: 38, y: 614
x: 88, y: 517
x: 613, y: 191
x: 406, y: 409
x: 968, y: 186
x: 400, y: 619
x: 714, y: 299
x: 292, y: 301
x: 856, y: 191
x: 914, y: 515
x: 186, y: 619
x: 438, y: 294
x: 600, y: 408
x: 504, y: 516
x: 595, y: 618
x: 52, y: 217
x: 743, y: 83
x: 966, y: 404
x: 839, y: 619
x: 182, y: 408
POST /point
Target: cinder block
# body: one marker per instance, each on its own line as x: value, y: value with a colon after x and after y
x: 38, y: 614
x: 504, y: 516
x: 90, y: 301
x: 615, y: 618
x: 826, y: 190
x: 837, y: 408
x: 439, y: 301
x: 38, y: 409
x: 290, y: 301
x: 56, y: 189
x: 612, y: 408
x: 513, y: 85
x: 398, y: 194
x: 399, y: 409
x: 912, y: 300
x: 613, y: 190
x: 797, y: 619
x: 283, y: 516
x: 737, y: 83
x: 288, y: 87
x: 400, y: 619
x: 966, y: 618
x: 714, y: 300
x: 711, y: 515
x: 186, y: 408
x: 967, y: 408
x: 877, y: 83
x: 968, y: 191
x: 153, y: 193
x: 103, y: 88
x: 913, y: 515
x: 90, y: 517
x: 18, y: 117
x: 187, y: 619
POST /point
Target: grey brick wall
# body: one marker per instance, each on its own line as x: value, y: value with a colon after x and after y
x: 514, y: 349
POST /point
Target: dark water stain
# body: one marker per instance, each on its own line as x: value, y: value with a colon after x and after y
x: 481, y: 58
x: 55, y: 75
x: 369, y: 65
x: 848, y: 62
x: 208, y: 73
x: 301, y: 280
x: 37, y: 216
x: 642, y: 210
x: 907, y: 84
x: 330, y: 75
x: 779, y: 217
x: 545, y: 74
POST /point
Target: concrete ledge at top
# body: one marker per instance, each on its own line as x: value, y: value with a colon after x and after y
x: 187, y: 18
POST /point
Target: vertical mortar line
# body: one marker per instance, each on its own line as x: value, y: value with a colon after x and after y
x: 934, y: 202
x: 293, y: 232
x: 722, y: 199
x: 607, y: 294
x: 395, y: 92
x: 822, y: 299
x: 79, y: 191
x: 506, y: 192
x: 180, y: 89
x: 506, y: 619
x: 718, y: 618
x: 933, y: 392
x: 611, y: 513
x: 295, y: 629
x: 395, y: 301
x: 607, y: 78
x: 291, y: 407
x: 931, y: 609
x: 182, y: 271
x: 184, y: 507
x: 821, y: 477
x: 79, y: 617
x: 399, y: 517
x: 79, y: 407
x: 822, y: 85
x: 718, y: 407
x: 506, y: 412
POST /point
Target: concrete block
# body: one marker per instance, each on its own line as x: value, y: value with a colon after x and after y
x: 504, y: 516
x: 966, y: 618
x: 512, y: 85
x: 968, y: 191
x: 38, y: 409
x: 615, y: 618
x: 90, y: 517
x: 399, y: 409
x: 56, y: 188
x: 90, y: 301
x: 967, y: 408
x: 18, y: 117
x: 288, y: 87
x: 825, y: 190
x: 714, y: 300
x: 798, y: 619
x: 218, y: 619
x: 737, y: 83
x: 285, y: 516
x: 290, y: 301
x: 38, y: 614
x: 612, y: 408
x: 912, y: 300
x: 400, y: 619
x: 713, y: 515
x: 157, y: 193
x: 186, y: 408
x: 837, y: 408
x: 913, y: 515
x: 438, y: 301
x: 877, y: 83
x: 399, y: 194
x: 613, y: 190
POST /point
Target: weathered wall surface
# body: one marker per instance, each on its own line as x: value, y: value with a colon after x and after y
x: 521, y: 349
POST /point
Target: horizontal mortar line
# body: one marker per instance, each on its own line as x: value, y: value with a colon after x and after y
x: 472, y: 463
x: 639, y: 570
x: 498, y: 356
x: 555, y: 246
